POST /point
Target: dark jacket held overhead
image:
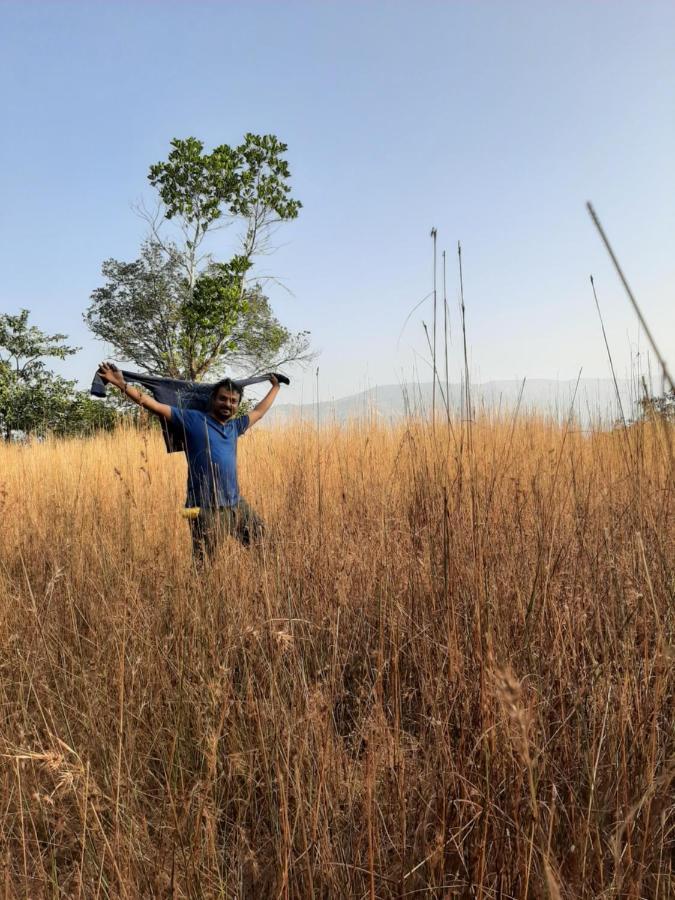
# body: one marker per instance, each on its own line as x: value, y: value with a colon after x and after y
x: 181, y: 394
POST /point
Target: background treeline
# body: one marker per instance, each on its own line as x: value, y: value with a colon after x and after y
x: 33, y: 399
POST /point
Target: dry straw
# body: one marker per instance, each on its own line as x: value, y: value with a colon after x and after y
x: 461, y: 685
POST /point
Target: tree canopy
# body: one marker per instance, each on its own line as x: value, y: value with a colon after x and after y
x: 34, y: 400
x: 179, y: 311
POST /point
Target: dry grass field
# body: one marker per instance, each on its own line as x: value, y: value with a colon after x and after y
x: 448, y: 672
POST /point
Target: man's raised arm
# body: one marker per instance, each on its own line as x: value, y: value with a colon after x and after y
x: 112, y: 375
x: 261, y: 408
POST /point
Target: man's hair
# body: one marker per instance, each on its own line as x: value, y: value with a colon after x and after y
x: 229, y: 385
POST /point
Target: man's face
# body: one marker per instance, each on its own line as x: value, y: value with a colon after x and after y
x: 225, y: 404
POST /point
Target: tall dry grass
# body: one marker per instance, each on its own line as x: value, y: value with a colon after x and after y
x: 448, y: 673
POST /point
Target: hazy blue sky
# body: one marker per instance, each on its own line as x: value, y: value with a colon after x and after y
x: 494, y: 122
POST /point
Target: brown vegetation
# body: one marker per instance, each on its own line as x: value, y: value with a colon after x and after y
x: 449, y: 673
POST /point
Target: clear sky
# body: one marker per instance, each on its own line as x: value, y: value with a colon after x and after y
x: 492, y: 121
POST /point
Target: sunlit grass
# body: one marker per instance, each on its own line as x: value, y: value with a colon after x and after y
x: 449, y: 670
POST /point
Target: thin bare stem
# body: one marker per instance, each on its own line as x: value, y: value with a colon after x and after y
x: 664, y: 368
x: 446, y: 336
x: 433, y: 352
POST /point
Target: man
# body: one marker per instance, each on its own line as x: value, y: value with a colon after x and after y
x: 211, y: 451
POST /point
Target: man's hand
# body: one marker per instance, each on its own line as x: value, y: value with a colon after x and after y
x: 112, y: 375
x: 259, y: 411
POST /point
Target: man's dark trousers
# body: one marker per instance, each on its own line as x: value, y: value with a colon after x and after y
x: 212, y: 526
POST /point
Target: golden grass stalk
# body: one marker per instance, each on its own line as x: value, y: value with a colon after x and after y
x: 461, y: 685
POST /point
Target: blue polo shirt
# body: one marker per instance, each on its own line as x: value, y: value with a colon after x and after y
x: 211, y: 450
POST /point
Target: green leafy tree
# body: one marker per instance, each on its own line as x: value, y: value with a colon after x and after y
x: 178, y: 311
x: 138, y: 310
x: 33, y: 400
x: 84, y: 415
x: 31, y: 397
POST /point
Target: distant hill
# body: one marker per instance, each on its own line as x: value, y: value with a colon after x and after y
x: 595, y: 401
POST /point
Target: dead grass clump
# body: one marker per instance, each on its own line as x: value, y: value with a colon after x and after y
x: 449, y: 670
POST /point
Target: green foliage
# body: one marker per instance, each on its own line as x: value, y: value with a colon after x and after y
x: 178, y: 312
x: 259, y: 336
x: 31, y: 397
x: 662, y: 406
x: 86, y: 415
x: 146, y: 311
x: 214, y: 306
x: 242, y: 181
x: 23, y: 346
x: 138, y: 310
x: 33, y: 400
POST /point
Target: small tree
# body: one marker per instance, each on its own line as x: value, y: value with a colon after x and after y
x: 33, y: 400
x: 662, y: 406
x: 84, y: 415
x: 176, y: 310
x: 31, y: 397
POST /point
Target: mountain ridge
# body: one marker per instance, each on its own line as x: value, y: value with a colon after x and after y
x: 594, y: 401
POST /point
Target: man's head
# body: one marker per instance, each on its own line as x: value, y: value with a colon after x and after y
x: 225, y: 398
